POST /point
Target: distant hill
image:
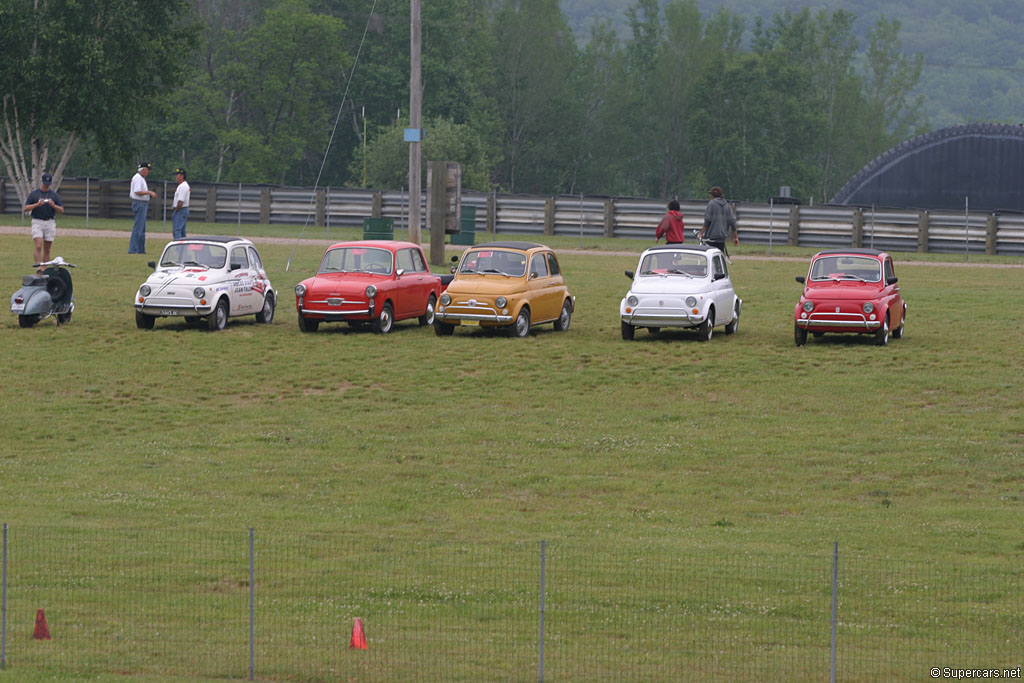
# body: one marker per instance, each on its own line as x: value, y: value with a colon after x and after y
x: 973, y: 54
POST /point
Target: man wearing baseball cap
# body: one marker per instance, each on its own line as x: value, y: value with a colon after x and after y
x: 140, y: 194
x: 44, y: 204
x: 179, y: 212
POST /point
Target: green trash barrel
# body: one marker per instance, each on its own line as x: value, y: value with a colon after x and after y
x: 467, y: 227
x: 378, y: 228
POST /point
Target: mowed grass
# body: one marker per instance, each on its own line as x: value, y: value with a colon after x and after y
x: 745, y: 443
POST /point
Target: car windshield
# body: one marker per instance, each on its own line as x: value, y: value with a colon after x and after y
x: 194, y: 254
x: 494, y: 261
x: 357, y: 260
x: 856, y: 268
x: 683, y: 263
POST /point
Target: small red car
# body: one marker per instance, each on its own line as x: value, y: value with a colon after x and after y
x: 850, y: 290
x: 376, y: 282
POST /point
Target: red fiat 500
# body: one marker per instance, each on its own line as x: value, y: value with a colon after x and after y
x: 850, y: 290
x: 379, y: 282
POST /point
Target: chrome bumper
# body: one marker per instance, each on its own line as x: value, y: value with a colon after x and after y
x: 158, y: 309
x: 851, y: 321
x: 480, y: 317
x: 641, y: 319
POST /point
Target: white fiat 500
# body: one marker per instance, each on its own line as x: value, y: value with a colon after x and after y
x: 680, y: 286
x: 211, y: 278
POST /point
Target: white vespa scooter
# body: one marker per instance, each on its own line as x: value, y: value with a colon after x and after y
x: 44, y: 295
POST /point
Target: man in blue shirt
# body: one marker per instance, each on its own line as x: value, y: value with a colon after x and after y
x: 44, y: 204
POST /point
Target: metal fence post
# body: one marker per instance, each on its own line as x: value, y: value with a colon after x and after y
x: 543, y: 545
x: 252, y: 608
x: 87, y: 203
x: 835, y: 591
x: 3, y: 606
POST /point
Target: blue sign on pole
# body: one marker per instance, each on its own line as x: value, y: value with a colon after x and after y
x: 414, y: 135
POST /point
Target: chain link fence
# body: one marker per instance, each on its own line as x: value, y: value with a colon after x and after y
x: 273, y: 605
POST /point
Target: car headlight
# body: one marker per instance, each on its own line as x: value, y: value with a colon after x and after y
x: 501, y: 302
x: 632, y: 300
x: 300, y: 289
x: 445, y: 299
x: 691, y: 301
x: 808, y: 306
x: 371, y: 291
x: 144, y: 290
x: 868, y: 307
x: 199, y: 292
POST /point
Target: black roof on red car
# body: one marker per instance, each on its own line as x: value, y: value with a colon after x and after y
x: 865, y: 252
x: 523, y: 246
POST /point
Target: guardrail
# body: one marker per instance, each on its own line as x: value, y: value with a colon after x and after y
x: 892, y: 229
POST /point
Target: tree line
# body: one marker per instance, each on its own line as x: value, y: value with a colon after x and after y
x: 303, y: 91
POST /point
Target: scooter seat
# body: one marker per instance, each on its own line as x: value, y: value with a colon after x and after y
x: 33, y: 281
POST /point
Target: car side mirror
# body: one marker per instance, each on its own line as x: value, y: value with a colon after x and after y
x: 891, y: 280
x: 455, y: 259
x: 152, y: 264
x: 801, y: 279
x: 400, y: 272
x: 629, y: 274
x: 534, y: 276
x: 236, y: 266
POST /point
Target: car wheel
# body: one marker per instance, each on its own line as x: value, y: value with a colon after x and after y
x: 734, y: 324
x: 654, y: 330
x: 898, y: 332
x: 428, y: 316
x: 628, y: 331
x: 143, y: 321
x: 799, y: 335
x: 383, y: 323
x: 63, y: 318
x: 443, y: 329
x: 308, y: 324
x: 266, y: 314
x: 28, y: 320
x: 707, y: 327
x: 562, y: 324
x: 521, y: 326
x: 882, y: 335
x: 218, y: 317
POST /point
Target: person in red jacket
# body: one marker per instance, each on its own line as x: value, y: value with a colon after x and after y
x: 671, y: 226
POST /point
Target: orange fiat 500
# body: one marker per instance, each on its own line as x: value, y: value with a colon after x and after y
x: 506, y: 284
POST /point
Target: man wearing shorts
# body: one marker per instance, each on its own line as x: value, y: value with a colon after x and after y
x: 44, y: 204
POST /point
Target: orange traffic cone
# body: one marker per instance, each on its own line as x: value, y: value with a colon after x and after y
x: 358, y: 641
x: 42, y: 631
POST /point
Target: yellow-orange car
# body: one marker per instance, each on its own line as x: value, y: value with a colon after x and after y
x: 506, y: 284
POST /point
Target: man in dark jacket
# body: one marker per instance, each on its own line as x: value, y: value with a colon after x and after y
x: 719, y: 221
x: 44, y: 204
x: 671, y: 226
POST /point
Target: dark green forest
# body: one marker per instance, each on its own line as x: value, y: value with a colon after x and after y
x: 530, y: 96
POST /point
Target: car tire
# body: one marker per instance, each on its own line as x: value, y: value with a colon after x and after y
x: 266, y: 314
x: 428, y: 316
x: 799, y: 335
x: 562, y: 323
x: 308, y: 324
x: 28, y: 320
x: 628, y: 331
x: 218, y: 318
x: 707, y: 328
x: 63, y: 318
x: 882, y: 335
x: 734, y: 324
x: 383, y: 323
x: 521, y: 325
x: 898, y: 332
x: 143, y: 321
x: 443, y: 329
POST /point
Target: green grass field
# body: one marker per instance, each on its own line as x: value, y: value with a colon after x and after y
x: 746, y: 445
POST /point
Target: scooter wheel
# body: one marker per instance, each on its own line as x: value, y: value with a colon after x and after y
x: 63, y: 318
x: 28, y: 320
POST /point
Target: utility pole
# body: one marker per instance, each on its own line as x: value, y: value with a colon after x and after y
x: 414, y: 133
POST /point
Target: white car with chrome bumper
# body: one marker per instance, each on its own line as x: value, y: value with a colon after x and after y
x: 211, y: 278
x: 680, y: 286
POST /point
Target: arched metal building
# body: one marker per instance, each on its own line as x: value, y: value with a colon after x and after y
x: 981, y: 162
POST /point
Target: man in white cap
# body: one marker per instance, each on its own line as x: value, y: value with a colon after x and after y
x: 179, y: 210
x: 140, y: 194
x: 44, y: 204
